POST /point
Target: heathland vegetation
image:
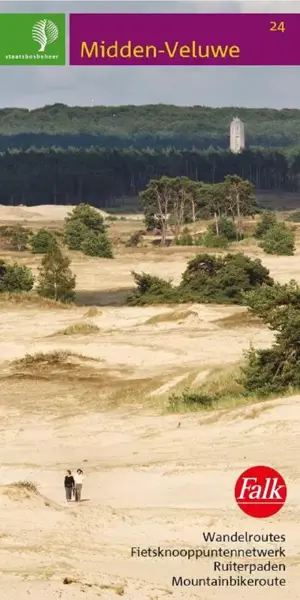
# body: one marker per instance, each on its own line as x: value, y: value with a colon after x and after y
x: 237, y: 279
x: 175, y: 162
x: 84, y: 230
x: 230, y: 278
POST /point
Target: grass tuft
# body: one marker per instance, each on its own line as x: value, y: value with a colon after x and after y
x: 43, y: 359
x: 64, y: 368
x: 220, y: 389
x: 93, y: 312
x: 173, y: 316
x: 189, y: 400
x: 55, y: 364
x: 118, y: 589
x: 240, y: 319
x: 79, y: 329
x: 26, y: 485
x: 21, y: 490
x: 30, y: 300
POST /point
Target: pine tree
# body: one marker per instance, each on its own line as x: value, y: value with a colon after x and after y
x: 97, y: 244
x: 42, y: 241
x: 15, y: 278
x: 56, y: 279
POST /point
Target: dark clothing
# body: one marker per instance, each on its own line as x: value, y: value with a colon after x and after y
x: 68, y: 493
x: 69, y: 486
x: 69, y: 481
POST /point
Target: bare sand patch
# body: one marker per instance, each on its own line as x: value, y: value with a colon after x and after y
x: 43, y: 212
x: 169, y: 482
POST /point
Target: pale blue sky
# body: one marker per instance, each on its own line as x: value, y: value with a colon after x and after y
x: 276, y: 87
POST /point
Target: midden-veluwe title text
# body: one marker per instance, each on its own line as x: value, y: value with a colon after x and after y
x: 149, y: 51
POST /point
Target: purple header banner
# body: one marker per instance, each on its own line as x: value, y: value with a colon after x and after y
x: 184, y: 39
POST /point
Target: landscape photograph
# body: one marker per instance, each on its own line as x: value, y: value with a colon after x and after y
x: 150, y: 326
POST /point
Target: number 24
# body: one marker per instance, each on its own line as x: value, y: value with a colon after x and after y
x: 277, y: 26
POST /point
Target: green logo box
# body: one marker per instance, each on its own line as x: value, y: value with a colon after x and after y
x: 32, y: 39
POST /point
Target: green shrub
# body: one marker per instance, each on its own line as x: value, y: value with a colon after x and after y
x: 75, y: 233
x: 206, y: 279
x: 224, y: 227
x: 85, y: 230
x: 185, y: 239
x: 56, y: 279
x: 5, y: 231
x: 19, y: 238
x: 151, y: 290
x: 275, y: 369
x: 294, y: 217
x: 223, y: 279
x: 270, y: 371
x: 266, y: 221
x: 135, y: 240
x: 43, y: 241
x: 210, y: 240
x: 88, y: 216
x: 97, y: 244
x: 279, y: 240
x: 189, y: 400
x: 15, y: 278
x: 16, y: 236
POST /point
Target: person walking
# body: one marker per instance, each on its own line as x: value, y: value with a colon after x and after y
x: 69, y: 485
x: 78, y: 484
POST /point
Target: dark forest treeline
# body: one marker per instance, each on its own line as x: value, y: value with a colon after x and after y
x: 99, y: 176
x: 153, y: 126
x: 25, y: 141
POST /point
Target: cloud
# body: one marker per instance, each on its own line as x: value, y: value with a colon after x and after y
x: 216, y: 86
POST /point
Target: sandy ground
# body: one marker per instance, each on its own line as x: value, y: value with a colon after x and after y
x: 148, y: 481
x: 46, y: 212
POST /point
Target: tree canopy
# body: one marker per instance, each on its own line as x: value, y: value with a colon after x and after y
x: 69, y: 155
x: 170, y: 202
x: 152, y: 126
x: 102, y: 177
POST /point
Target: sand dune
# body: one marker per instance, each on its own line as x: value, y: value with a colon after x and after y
x: 43, y: 212
x: 148, y: 481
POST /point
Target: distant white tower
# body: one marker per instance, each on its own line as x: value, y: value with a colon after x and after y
x: 237, y: 135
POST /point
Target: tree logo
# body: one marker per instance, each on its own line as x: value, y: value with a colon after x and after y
x: 38, y: 39
x: 260, y: 492
x: 44, y: 32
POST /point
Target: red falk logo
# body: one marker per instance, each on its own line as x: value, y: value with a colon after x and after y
x: 260, y: 492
